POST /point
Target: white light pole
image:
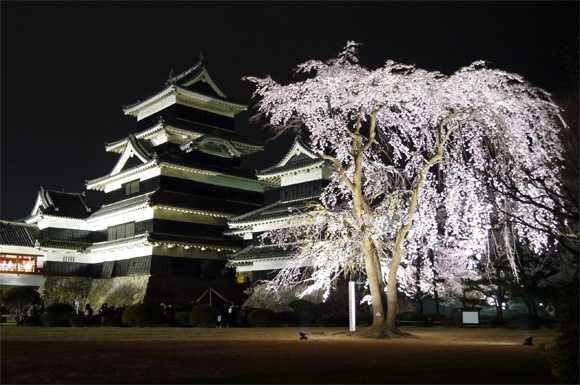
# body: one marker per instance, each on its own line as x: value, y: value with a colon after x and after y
x: 352, y: 306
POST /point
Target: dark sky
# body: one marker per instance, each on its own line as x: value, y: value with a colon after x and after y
x: 67, y: 68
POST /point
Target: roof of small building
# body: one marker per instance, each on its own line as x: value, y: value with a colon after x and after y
x: 61, y: 204
x: 18, y: 234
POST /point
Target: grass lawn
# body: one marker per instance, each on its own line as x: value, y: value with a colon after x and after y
x: 160, y: 355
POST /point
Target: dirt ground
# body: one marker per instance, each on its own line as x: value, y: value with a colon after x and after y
x: 273, y: 355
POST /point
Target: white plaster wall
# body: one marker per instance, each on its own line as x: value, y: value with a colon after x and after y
x: 9, y: 280
x: 63, y: 223
x: 120, y: 254
x: 306, y: 176
x: 143, y: 175
x: 119, y: 217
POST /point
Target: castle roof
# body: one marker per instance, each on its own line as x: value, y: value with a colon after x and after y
x: 276, y: 211
x: 177, y: 201
x: 248, y: 255
x: 195, y: 85
x: 61, y: 204
x: 18, y: 234
x: 191, y: 129
x: 299, y: 158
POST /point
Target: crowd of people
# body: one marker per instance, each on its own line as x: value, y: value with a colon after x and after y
x: 229, y: 315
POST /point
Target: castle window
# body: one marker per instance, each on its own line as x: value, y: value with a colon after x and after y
x: 126, y: 230
x: 20, y: 264
x: 131, y: 187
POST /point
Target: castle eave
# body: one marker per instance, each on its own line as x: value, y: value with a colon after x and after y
x: 99, y: 184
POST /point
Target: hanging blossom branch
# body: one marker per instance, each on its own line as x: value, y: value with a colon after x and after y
x: 433, y: 144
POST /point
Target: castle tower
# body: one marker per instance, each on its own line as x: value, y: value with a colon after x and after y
x: 178, y: 179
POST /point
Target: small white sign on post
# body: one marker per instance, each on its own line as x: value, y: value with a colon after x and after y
x: 351, y: 306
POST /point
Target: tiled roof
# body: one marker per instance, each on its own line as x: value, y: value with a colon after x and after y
x: 184, y: 240
x: 185, y: 162
x: 164, y: 238
x: 208, y: 130
x: 250, y: 253
x: 298, y: 146
x: 63, y: 204
x: 122, y: 205
x: 66, y: 245
x: 178, y: 201
x: 18, y: 234
x: 277, y: 210
x: 294, y: 165
x: 201, y: 203
x: 181, y: 125
x: 118, y: 243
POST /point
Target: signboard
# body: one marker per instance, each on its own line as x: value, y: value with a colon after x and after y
x: 470, y: 317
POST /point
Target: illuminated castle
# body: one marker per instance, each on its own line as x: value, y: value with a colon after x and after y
x: 158, y: 237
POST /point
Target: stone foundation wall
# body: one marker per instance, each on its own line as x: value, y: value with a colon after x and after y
x: 64, y: 289
x: 134, y: 289
x: 118, y: 291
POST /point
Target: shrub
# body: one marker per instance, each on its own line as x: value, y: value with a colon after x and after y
x: 304, y: 312
x: 140, y: 315
x: 32, y: 321
x: 263, y: 318
x: 451, y: 320
x: 182, y: 318
x: 57, y: 314
x: 203, y: 315
x: 18, y: 300
x: 51, y: 320
x: 332, y: 321
x: 77, y: 320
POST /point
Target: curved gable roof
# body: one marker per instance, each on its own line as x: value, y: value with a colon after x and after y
x: 61, y: 204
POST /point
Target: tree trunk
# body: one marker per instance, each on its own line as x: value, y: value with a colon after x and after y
x: 392, y: 305
x: 374, y: 275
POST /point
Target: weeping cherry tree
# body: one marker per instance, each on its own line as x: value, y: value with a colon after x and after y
x: 408, y: 147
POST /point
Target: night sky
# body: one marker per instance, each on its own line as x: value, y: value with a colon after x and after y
x: 67, y: 68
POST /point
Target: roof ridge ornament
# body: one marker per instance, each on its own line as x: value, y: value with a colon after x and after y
x: 199, y: 66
